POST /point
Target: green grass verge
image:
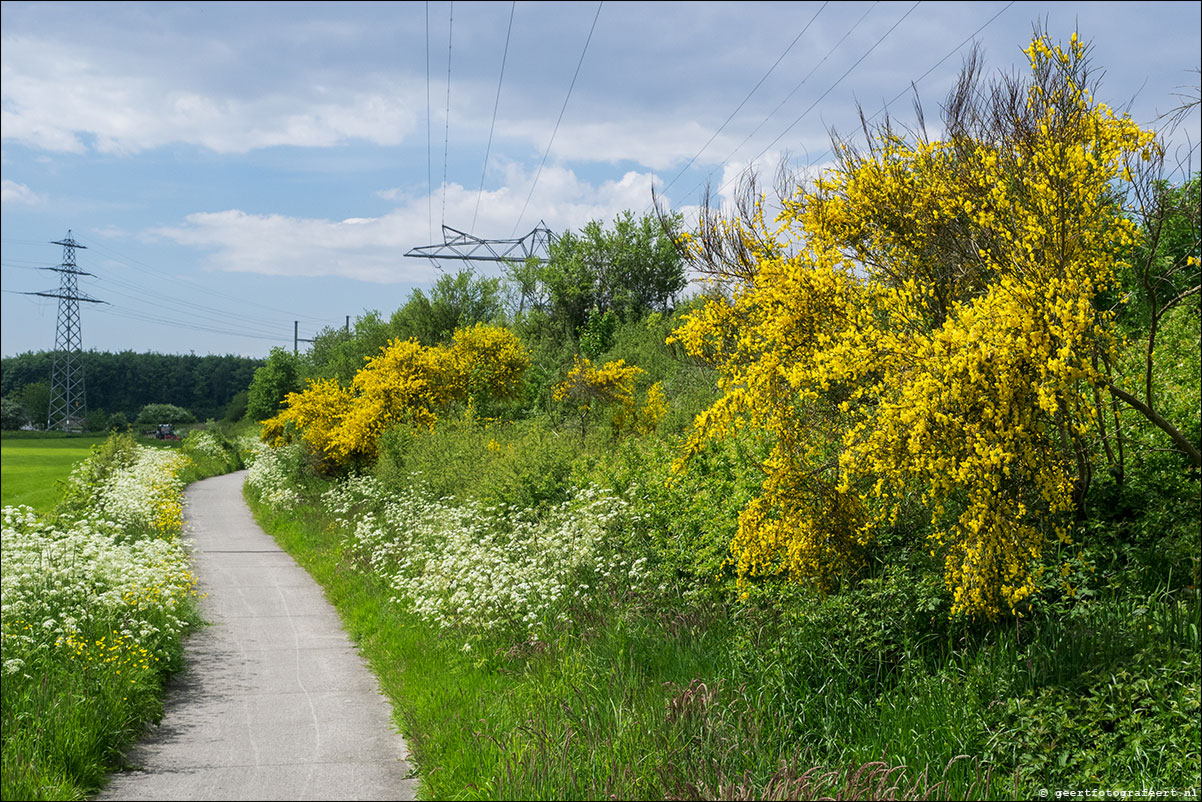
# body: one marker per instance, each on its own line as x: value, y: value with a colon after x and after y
x: 655, y: 701
x: 31, y: 468
x: 65, y: 728
x: 563, y: 720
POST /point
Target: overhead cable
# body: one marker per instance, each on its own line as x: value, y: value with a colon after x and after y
x: 748, y: 97
x: 429, y: 166
x: 496, y: 104
x: 821, y: 97
x: 932, y: 68
x: 446, y: 135
x: 558, y: 121
x: 792, y: 92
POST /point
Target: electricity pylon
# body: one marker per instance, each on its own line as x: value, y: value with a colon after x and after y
x: 461, y: 246
x: 68, y: 401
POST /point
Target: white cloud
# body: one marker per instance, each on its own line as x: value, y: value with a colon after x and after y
x: 12, y: 192
x: 371, y: 249
x: 58, y: 102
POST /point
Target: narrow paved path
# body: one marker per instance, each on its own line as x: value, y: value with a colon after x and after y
x: 275, y: 702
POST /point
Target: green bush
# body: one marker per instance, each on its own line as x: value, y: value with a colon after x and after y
x: 272, y: 383
x: 164, y: 413
x: 522, y: 463
x: 212, y: 450
x: 97, y: 421
x: 236, y: 409
x: 12, y: 414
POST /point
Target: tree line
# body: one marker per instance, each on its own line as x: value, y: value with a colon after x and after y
x: 125, y: 382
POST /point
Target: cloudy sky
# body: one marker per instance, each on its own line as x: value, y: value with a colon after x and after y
x: 235, y: 167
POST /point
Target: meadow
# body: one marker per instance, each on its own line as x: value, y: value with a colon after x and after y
x: 33, y: 466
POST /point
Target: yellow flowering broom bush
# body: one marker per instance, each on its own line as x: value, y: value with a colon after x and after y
x: 612, y: 385
x: 405, y: 383
x: 924, y: 325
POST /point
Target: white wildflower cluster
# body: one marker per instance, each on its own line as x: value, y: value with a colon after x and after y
x: 118, y: 568
x: 200, y: 441
x: 498, y: 568
x: 146, y: 496
x: 269, y: 475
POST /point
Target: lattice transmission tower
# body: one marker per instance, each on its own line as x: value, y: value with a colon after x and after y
x: 460, y: 246
x: 68, y: 401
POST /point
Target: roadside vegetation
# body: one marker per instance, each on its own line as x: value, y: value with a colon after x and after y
x: 905, y: 506
x: 97, y: 595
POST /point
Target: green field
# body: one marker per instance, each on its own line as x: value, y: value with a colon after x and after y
x: 31, y: 467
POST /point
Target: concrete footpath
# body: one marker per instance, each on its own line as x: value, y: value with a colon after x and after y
x: 275, y: 702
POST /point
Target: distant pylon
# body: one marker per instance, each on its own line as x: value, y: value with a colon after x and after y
x: 68, y: 402
x: 464, y: 247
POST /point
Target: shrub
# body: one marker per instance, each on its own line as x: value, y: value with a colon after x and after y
x: 12, y: 414
x: 164, y: 413
x: 927, y: 325
x: 407, y: 383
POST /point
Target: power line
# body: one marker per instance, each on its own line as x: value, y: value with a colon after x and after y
x: 821, y: 97
x: 142, y: 295
x: 496, y: 104
x: 801, y: 83
x: 932, y: 68
x: 560, y: 119
x: 129, y: 314
x: 784, y: 100
x: 136, y: 264
x: 748, y: 97
x: 260, y: 326
x: 186, y: 315
x: 898, y: 96
x: 429, y: 166
x: 185, y: 309
x: 190, y: 315
x: 446, y: 137
x: 21, y: 241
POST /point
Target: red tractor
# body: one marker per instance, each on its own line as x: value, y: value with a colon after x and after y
x: 165, y: 431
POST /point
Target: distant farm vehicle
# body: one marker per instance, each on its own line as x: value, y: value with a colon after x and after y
x: 164, y: 431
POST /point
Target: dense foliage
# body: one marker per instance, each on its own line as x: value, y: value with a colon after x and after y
x: 163, y: 413
x: 406, y: 384
x: 125, y: 382
x: 632, y: 269
x: 272, y: 383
